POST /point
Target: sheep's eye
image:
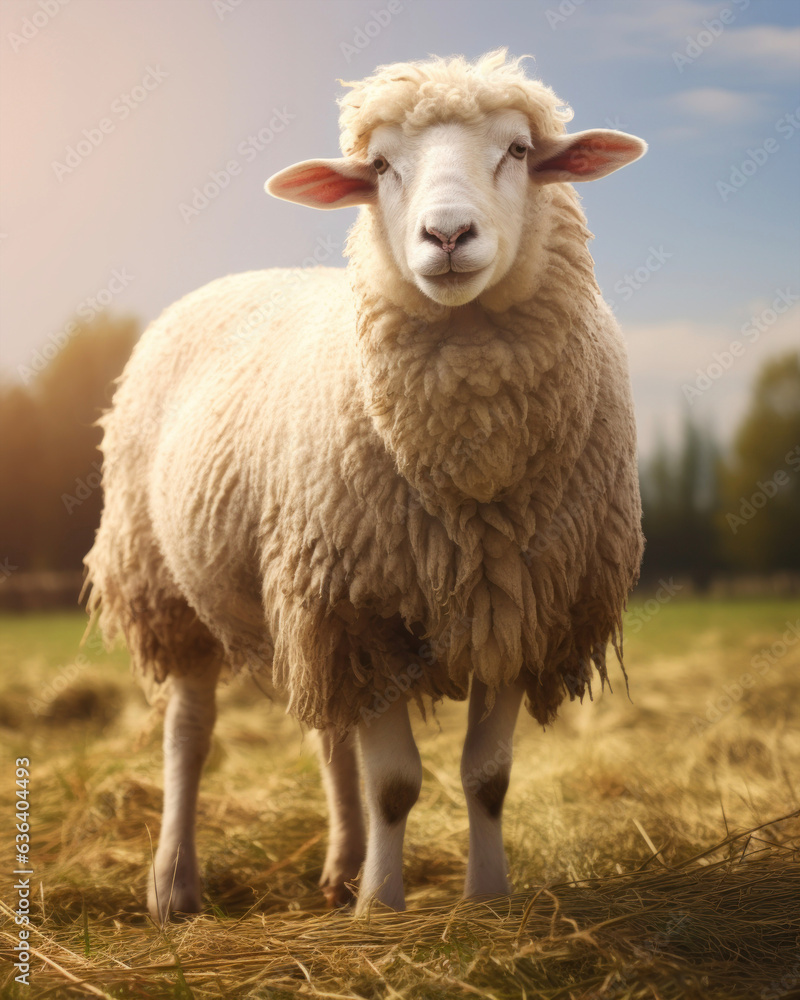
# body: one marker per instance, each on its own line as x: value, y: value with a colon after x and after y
x: 518, y: 150
x: 380, y: 164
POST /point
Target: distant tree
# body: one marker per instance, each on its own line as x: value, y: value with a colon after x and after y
x: 22, y: 453
x: 72, y: 393
x: 50, y: 501
x: 679, y: 499
x: 759, y: 520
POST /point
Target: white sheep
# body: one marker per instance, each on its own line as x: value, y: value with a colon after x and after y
x: 393, y: 480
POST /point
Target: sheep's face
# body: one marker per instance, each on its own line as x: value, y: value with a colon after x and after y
x: 452, y: 200
x: 453, y: 197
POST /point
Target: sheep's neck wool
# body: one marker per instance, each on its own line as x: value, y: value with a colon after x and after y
x: 493, y: 424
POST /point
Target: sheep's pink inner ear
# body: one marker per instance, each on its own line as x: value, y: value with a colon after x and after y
x: 586, y: 156
x: 324, y: 183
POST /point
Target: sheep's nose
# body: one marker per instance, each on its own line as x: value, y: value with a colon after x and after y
x: 448, y: 242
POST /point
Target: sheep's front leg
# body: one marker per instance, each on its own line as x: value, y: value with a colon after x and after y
x: 485, y: 772
x: 346, y: 842
x: 392, y: 780
x: 174, y: 880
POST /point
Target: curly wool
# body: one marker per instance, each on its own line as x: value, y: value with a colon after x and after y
x: 307, y: 473
x: 418, y: 94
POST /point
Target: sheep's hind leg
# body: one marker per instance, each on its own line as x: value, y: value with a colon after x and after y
x: 174, y: 880
x: 392, y: 779
x: 346, y: 841
x: 485, y: 772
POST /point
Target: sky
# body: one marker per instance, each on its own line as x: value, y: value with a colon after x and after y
x: 115, y: 114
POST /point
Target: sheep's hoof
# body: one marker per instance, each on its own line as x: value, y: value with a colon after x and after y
x: 337, y: 896
x: 173, y: 899
x: 337, y: 875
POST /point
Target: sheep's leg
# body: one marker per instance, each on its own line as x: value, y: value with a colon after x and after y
x: 174, y: 880
x: 392, y: 780
x: 346, y: 841
x: 485, y: 771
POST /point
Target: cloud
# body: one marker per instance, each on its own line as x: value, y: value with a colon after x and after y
x: 766, y: 48
x: 668, y: 360
x: 620, y: 30
x: 717, y: 105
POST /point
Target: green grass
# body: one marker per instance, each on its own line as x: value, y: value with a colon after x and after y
x: 49, y: 639
x: 683, y: 763
x: 676, y: 627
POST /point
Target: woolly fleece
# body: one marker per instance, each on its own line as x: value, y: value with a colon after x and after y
x: 326, y: 477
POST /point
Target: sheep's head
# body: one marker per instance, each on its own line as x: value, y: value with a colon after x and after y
x: 451, y: 156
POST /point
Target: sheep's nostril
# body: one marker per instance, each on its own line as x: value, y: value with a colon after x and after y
x: 448, y: 241
x: 462, y: 234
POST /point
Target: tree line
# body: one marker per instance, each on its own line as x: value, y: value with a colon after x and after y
x: 706, y: 512
x: 50, y: 500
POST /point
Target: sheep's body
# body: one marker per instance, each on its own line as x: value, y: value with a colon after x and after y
x: 308, y: 537
x: 329, y: 477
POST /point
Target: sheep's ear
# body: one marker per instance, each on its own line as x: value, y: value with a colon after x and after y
x: 325, y: 183
x: 584, y: 156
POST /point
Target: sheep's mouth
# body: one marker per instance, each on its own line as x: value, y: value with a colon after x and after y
x: 454, y: 288
x: 451, y: 277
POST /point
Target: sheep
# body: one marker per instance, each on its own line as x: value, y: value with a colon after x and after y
x: 408, y: 479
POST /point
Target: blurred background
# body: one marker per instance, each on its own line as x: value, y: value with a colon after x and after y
x: 136, y: 137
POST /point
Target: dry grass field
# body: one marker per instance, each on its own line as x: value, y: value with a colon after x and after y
x: 653, y: 842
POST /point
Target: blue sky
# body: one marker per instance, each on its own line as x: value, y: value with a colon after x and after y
x: 691, y: 241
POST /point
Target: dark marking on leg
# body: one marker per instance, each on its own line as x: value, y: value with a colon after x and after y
x: 492, y: 792
x: 397, y: 797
